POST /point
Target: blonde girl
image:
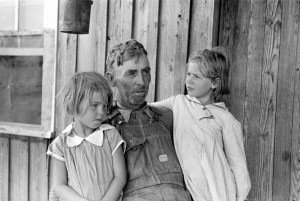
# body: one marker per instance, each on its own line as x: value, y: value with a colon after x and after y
x: 88, y: 156
x: 208, y: 139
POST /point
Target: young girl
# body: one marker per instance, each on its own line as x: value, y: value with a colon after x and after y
x: 89, y: 162
x: 208, y: 139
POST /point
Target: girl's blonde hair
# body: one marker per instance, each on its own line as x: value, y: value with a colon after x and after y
x: 81, y: 87
x: 214, y: 64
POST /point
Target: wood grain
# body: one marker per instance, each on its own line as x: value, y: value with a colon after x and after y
x: 284, y: 100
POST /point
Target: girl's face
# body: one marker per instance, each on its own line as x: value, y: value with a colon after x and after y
x: 90, y: 119
x: 198, y: 85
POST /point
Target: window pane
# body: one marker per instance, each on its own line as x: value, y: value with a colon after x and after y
x: 7, y: 15
x: 31, y: 14
x: 21, y: 89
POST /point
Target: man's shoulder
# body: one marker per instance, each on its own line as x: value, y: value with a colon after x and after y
x: 161, y: 111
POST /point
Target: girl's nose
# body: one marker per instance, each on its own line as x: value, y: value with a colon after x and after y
x: 188, y: 80
x: 100, y: 109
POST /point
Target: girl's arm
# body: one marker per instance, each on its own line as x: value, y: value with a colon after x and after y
x: 60, y: 183
x: 235, y: 153
x: 167, y: 103
x: 120, y: 175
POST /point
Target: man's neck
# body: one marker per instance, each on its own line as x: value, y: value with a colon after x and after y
x: 129, y: 106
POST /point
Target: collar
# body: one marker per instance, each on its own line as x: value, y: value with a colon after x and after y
x: 126, y: 112
x: 219, y: 104
x: 95, y: 138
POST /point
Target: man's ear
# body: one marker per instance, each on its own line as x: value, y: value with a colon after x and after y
x: 110, y: 76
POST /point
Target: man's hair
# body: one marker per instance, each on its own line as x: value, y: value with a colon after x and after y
x: 213, y: 64
x: 81, y: 87
x: 123, y: 52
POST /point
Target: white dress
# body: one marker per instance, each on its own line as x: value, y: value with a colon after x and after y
x: 209, y: 145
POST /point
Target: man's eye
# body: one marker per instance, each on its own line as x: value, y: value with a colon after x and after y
x: 147, y: 70
x: 130, y: 73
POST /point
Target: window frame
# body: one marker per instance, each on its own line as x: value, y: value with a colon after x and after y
x: 49, y: 53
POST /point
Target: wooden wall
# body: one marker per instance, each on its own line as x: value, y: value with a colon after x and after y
x: 264, y: 40
x: 262, y: 36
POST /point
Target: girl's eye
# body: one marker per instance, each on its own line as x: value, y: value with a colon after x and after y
x: 94, y: 106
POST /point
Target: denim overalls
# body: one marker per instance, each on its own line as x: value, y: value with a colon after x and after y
x: 153, y: 170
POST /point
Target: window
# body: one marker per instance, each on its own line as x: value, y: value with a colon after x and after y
x: 27, y: 66
x: 20, y: 15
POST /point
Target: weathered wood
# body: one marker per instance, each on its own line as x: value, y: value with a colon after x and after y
x: 253, y: 89
x: 48, y: 95
x: 119, y: 21
x: 92, y: 47
x: 268, y: 101
x: 228, y: 12
x: 203, y: 24
x: 22, y: 51
x: 67, y: 55
x: 19, y: 164
x: 38, y: 170
x: 295, y: 157
x: 145, y: 30
x: 181, y: 45
x: 172, y: 35
x: 4, y: 166
x: 21, y: 33
x: 285, y: 99
x: 239, y: 61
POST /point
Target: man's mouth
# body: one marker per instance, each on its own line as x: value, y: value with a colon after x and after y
x: 140, y: 92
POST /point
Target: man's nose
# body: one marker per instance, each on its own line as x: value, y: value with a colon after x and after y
x: 140, y: 79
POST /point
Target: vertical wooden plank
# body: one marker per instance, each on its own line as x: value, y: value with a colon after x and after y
x: 145, y: 30
x: 295, y: 162
x: 202, y: 26
x: 228, y: 14
x: 67, y: 55
x: 239, y: 61
x: 38, y: 170
x: 181, y: 46
x: 268, y: 101
x: 4, y: 167
x: 285, y: 95
x: 19, y: 169
x: 119, y: 21
x: 172, y: 48
x: 48, y: 83
x: 252, y: 99
x: 92, y: 46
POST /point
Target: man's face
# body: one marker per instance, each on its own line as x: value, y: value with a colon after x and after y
x: 132, y: 81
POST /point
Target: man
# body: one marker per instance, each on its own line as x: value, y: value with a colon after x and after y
x: 153, y: 170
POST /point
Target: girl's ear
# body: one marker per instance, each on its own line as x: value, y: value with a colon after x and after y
x: 111, y: 78
x: 216, y: 83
